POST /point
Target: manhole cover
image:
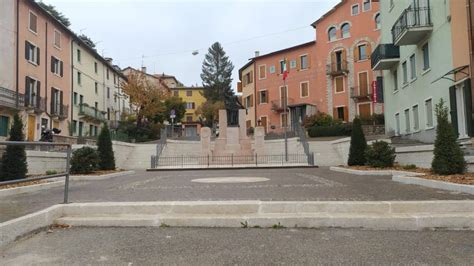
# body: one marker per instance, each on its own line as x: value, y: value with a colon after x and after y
x: 230, y: 180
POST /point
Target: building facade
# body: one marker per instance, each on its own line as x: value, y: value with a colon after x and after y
x: 345, y: 37
x: 193, y: 97
x: 246, y: 86
x: 423, y: 54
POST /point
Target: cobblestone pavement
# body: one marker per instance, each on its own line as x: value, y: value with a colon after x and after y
x: 219, y: 246
x: 300, y: 184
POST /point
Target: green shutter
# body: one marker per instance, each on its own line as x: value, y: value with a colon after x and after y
x: 453, y: 108
x: 3, y: 126
x: 468, y: 102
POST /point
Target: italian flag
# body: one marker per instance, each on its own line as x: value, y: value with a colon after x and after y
x: 286, y: 68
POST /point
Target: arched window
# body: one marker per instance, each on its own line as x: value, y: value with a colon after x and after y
x: 332, y: 34
x: 345, y: 30
x: 377, y: 21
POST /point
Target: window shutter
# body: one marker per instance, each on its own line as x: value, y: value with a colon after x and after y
x: 61, y: 103
x: 334, y: 113
x: 27, y: 90
x: 27, y: 48
x: 308, y: 59
x: 298, y: 64
x: 251, y: 76
x: 346, y: 114
x: 38, y: 94
x: 52, y: 100
x: 61, y: 70
x: 194, y: 105
x: 259, y: 97
x: 344, y: 57
x: 368, y: 50
x: 239, y: 86
x: 356, y: 53
x: 38, y: 55
x: 468, y: 103
x: 52, y: 64
x: 251, y: 100
x: 333, y: 61
x: 453, y: 108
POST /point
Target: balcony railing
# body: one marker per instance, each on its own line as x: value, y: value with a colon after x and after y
x: 35, y: 102
x: 363, y: 95
x: 337, y: 68
x: 412, y: 26
x: 91, y: 113
x: 279, y: 105
x: 385, y: 56
x: 59, y: 110
x: 8, y: 98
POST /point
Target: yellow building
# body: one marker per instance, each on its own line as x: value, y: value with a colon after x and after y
x: 194, y: 99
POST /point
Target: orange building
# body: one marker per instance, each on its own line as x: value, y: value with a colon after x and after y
x: 43, y: 76
x: 346, y: 36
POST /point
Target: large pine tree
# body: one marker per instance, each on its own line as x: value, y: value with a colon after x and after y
x: 217, y: 77
x: 14, y: 165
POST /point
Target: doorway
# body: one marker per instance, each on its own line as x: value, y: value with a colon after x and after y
x: 364, y: 110
x: 31, y: 127
x: 460, y: 111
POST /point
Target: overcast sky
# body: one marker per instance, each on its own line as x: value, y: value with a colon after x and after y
x: 166, y: 32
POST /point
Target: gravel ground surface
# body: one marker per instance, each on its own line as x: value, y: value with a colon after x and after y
x: 218, y: 246
x: 318, y: 184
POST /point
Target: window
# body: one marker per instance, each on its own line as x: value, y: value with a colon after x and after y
x: 355, y: 10
x: 282, y: 66
x: 407, y: 120
x: 293, y: 64
x: 56, y: 66
x: 189, y: 118
x: 340, y: 113
x: 378, y: 26
x: 56, y: 101
x: 96, y: 88
x: 74, y: 127
x: 115, y: 79
x: 262, y: 72
x: 32, y: 93
x: 78, y: 55
x: 339, y: 84
x: 74, y: 99
x: 416, y: 121
x: 397, y: 124
x: 176, y: 93
x: 412, y: 67
x: 79, y: 78
x: 366, y: 6
x: 108, y: 113
x: 304, y: 61
x: 345, y: 30
x: 395, y: 80
x: 33, y: 22
x: 190, y: 105
x: 362, y: 49
x: 91, y: 130
x: 272, y: 69
x: 95, y: 67
x: 426, y: 57
x: 405, y: 72
x: 81, y: 99
x: 332, y: 34
x: 108, y: 74
x: 248, y: 101
x: 189, y: 93
x: 429, y: 112
x: 263, y: 96
x: 304, y: 89
x: 248, y: 78
x: 32, y: 53
x: 81, y: 127
x: 108, y: 93
x: 4, y: 126
x: 57, y: 39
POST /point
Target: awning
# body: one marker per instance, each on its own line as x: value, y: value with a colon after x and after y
x: 454, y: 72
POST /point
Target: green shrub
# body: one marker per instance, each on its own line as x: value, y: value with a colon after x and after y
x: 358, y: 144
x: 320, y: 119
x: 51, y: 172
x: 448, y: 156
x: 409, y: 166
x: 14, y: 165
x: 84, y: 161
x: 104, y: 148
x: 328, y: 131
x: 380, y: 154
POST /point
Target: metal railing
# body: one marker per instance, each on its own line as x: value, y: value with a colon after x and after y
x: 35, y: 102
x: 279, y: 105
x: 231, y: 161
x: 384, y: 51
x: 59, y: 110
x: 412, y: 17
x: 8, y: 98
x: 91, y: 112
x: 44, y: 177
x: 304, y: 142
x: 356, y: 93
x: 337, y: 68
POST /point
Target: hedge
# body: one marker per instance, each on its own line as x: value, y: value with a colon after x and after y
x: 329, y: 131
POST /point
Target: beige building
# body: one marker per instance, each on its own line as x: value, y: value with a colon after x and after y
x: 246, y: 86
x: 153, y: 79
x: 169, y: 80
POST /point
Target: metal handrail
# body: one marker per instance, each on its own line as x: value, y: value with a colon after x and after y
x: 410, y: 18
x: 65, y: 174
x: 304, y: 142
x: 385, y: 51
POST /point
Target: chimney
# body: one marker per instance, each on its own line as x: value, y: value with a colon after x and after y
x: 257, y: 53
x: 143, y: 69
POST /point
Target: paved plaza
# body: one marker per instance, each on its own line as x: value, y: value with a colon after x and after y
x: 310, y: 184
x: 220, y: 246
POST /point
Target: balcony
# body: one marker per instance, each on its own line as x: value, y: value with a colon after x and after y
x: 59, y: 111
x: 412, y: 26
x: 8, y: 99
x: 361, y: 96
x: 337, y: 68
x: 91, y: 114
x: 385, y: 57
x: 35, y: 103
x: 279, y: 105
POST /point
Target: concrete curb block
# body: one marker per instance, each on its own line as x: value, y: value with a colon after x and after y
x: 30, y: 188
x: 231, y: 168
x: 395, y: 215
x: 99, y: 177
x: 410, y: 178
x: 434, y: 184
